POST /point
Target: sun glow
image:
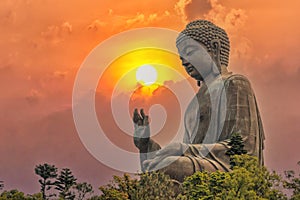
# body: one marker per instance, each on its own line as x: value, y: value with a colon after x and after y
x: 146, y: 75
x: 142, y: 70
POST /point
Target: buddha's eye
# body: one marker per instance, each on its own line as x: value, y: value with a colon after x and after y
x: 190, y: 50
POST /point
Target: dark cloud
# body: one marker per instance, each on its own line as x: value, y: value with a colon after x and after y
x: 191, y: 9
x: 52, y: 139
x: 231, y: 19
x: 197, y: 9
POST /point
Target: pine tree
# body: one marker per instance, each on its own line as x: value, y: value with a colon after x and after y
x: 46, y: 172
x: 1, y: 185
x: 64, y: 183
x: 293, y: 183
x: 237, y: 145
x: 83, y: 189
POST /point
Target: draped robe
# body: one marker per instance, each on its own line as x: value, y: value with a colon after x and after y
x: 226, y: 106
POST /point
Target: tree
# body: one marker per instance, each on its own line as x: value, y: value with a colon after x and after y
x: 37, y: 196
x: 292, y: 183
x: 83, y: 189
x: 16, y: 195
x: 247, y: 180
x: 154, y: 185
x: 1, y: 185
x: 12, y: 195
x: 236, y: 145
x: 64, y: 183
x: 47, y: 173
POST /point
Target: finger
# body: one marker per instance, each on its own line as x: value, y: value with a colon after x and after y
x: 146, y: 120
x: 153, y: 165
x: 143, y: 114
x: 140, y: 122
x: 136, y: 116
x: 146, y: 164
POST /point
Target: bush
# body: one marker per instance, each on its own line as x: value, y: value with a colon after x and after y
x: 152, y: 185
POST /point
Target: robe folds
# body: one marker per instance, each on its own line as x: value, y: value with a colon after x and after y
x: 225, y: 106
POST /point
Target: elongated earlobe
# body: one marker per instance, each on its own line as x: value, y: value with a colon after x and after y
x: 216, y: 48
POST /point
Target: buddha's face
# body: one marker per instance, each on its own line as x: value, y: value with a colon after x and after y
x: 195, y: 59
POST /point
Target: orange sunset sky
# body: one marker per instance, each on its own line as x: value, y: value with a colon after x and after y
x: 44, y: 42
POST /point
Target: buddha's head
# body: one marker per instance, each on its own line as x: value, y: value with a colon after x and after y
x: 204, y: 49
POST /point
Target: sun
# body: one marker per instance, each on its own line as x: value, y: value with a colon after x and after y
x: 146, y: 75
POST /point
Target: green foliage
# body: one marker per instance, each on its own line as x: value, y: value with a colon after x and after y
x: 37, y: 196
x: 64, y: 183
x: 47, y: 173
x: 204, y: 185
x: 154, y: 185
x: 293, y: 183
x: 16, y: 195
x: 12, y: 195
x: 236, y: 146
x: 247, y: 180
x: 83, y: 189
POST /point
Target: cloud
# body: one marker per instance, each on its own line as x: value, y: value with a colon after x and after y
x: 143, y: 19
x: 152, y: 17
x: 136, y: 19
x: 51, y: 138
x: 9, y: 17
x: 230, y: 19
x: 56, y: 34
x: 33, y: 97
x: 60, y: 75
x: 146, y: 19
x: 96, y: 25
x: 167, y: 13
x: 66, y: 27
x: 192, y: 9
x: 180, y: 8
x: 5, y: 67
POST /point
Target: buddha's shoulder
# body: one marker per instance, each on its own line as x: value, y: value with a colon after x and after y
x: 236, y: 80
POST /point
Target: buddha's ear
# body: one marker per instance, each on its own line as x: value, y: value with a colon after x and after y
x: 216, y: 51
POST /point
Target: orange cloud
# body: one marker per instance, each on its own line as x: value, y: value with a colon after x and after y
x: 230, y: 19
x: 96, y: 25
x: 56, y: 34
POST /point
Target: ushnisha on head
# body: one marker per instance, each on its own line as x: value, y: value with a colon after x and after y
x: 211, y: 37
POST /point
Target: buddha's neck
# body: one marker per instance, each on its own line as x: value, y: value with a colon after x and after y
x: 210, y: 78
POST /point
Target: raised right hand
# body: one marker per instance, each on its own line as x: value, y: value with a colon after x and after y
x: 141, y: 130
